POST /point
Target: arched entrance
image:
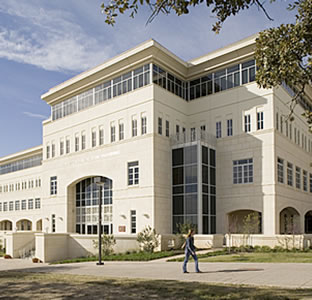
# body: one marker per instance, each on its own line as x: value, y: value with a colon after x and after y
x: 87, y: 196
x: 6, y: 225
x: 308, y: 222
x: 24, y: 225
x: 245, y: 222
x: 289, y: 221
x: 39, y: 225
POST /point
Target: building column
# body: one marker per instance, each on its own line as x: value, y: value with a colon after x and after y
x: 270, y: 221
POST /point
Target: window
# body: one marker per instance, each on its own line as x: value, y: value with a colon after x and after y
x: 310, y: 177
x: 113, y: 133
x: 298, y: 178
x: 133, y: 221
x: 67, y: 145
x: 53, y: 185
x: 53, y: 223
x: 23, y: 204
x: 121, y: 131
x: 37, y: 203
x: 61, y: 147
x: 289, y: 174
x: 17, y: 205
x: 167, y: 128
x: 0, y: 206
x: 83, y: 141
x: 144, y: 125
x: 305, y: 180
x: 282, y: 124
x: 53, y: 150
x: 280, y: 170
x: 93, y: 138
x: 243, y: 171
x: 177, y: 129
x: 260, y: 120
x: 286, y: 127
x: 30, y: 204
x: 193, y: 134
x: 290, y: 131
x: 218, y: 130
x: 133, y: 173
x: 159, y: 125
x: 277, y: 121
x: 11, y: 205
x: 247, y: 122
x: 5, y: 206
x: 134, y: 127
x: 76, y: 143
x: 229, y: 127
x: 48, y: 151
x: 101, y: 136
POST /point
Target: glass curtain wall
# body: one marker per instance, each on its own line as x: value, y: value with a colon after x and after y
x: 87, y: 197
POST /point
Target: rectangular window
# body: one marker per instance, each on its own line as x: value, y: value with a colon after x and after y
x: 305, y: 180
x: 61, y: 147
x: 113, y: 133
x: 11, y: 205
x: 260, y: 120
x: 289, y: 174
x: 5, y: 206
x: 133, y: 221
x: 23, y: 204
x: 282, y: 123
x: 144, y: 125
x: 310, y: 177
x: 134, y: 127
x: 53, y: 185
x: 101, y: 136
x: 133, y: 173
x: 17, y: 205
x: 243, y: 171
x: 193, y: 134
x: 76, y: 143
x: 277, y: 121
x: 121, y: 131
x: 0, y: 206
x: 298, y: 178
x: 247, y: 123
x: 229, y: 127
x: 93, y: 138
x: 167, y: 128
x: 37, y: 203
x: 159, y: 125
x: 218, y: 130
x: 67, y: 145
x: 280, y: 170
x: 53, y: 225
x: 53, y: 150
x: 30, y: 204
x: 83, y: 141
x: 48, y: 152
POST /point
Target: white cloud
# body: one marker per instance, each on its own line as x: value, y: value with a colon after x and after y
x: 47, y: 38
x: 37, y: 116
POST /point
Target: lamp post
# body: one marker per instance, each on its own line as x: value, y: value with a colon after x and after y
x: 99, y: 181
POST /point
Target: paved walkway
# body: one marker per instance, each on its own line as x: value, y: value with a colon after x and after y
x: 290, y: 275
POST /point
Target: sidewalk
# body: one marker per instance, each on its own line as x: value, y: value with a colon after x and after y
x: 290, y: 275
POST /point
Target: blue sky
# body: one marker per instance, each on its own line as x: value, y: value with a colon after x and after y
x: 44, y: 42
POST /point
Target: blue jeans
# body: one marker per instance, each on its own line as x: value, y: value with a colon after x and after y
x: 187, y: 255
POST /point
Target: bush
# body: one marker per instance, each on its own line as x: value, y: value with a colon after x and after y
x: 279, y: 249
x: 266, y: 249
x: 148, y: 239
x: 108, y: 242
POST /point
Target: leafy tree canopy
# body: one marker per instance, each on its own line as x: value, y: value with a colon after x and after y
x: 283, y: 54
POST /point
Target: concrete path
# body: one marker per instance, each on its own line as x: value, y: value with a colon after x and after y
x: 290, y: 275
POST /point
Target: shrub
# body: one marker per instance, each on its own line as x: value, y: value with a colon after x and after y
x: 279, y: 249
x: 266, y: 249
x: 148, y: 239
x: 108, y: 242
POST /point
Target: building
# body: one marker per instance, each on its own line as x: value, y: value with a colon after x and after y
x: 175, y: 142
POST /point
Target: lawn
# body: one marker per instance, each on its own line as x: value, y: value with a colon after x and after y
x: 133, y: 256
x: 277, y: 257
x: 21, y: 285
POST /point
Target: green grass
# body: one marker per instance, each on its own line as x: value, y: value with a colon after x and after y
x: 134, y: 256
x: 21, y: 285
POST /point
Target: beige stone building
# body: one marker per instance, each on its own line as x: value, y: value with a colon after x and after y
x: 176, y: 142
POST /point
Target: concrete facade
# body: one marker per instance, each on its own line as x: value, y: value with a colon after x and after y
x: 129, y: 138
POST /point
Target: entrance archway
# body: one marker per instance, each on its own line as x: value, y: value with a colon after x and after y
x: 245, y: 221
x: 6, y: 225
x: 87, y: 201
x: 24, y: 225
x: 39, y: 225
x: 308, y: 222
x: 289, y: 221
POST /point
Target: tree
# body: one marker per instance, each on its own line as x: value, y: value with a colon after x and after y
x: 283, y: 54
x: 148, y: 239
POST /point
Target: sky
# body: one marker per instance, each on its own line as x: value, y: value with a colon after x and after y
x: 43, y: 43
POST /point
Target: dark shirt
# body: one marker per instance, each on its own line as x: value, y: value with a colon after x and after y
x: 189, y: 246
